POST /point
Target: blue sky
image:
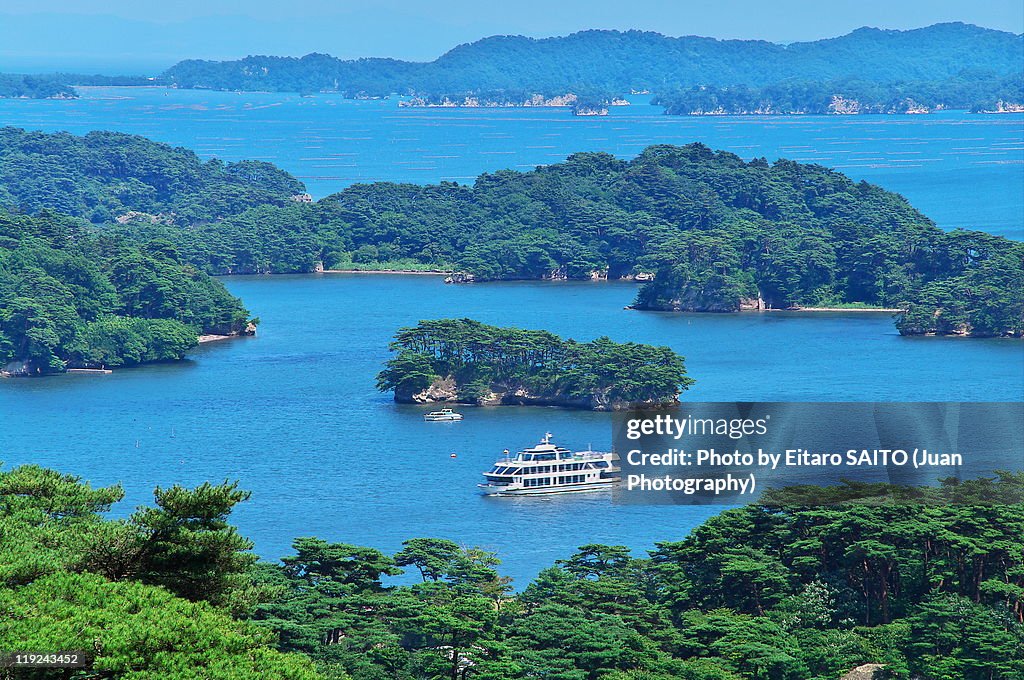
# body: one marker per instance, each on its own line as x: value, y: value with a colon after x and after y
x: 145, y: 36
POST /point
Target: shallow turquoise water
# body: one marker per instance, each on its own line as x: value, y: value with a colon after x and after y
x: 294, y: 416
x: 962, y: 170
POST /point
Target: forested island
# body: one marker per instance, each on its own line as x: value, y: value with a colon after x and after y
x: 714, y: 232
x: 930, y: 589
x: 76, y: 295
x: 609, y: 64
x: 465, y: 361
x: 944, y: 66
x: 34, y: 87
x: 111, y: 176
x: 977, y: 92
x: 73, y: 298
x: 61, y: 85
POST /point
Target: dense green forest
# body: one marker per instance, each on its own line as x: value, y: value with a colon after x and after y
x: 60, y: 85
x: 974, y: 91
x: 614, y: 63
x: 470, y: 362
x: 47, y: 86
x: 717, y: 232
x: 934, y: 590
x: 108, y: 175
x: 71, y: 297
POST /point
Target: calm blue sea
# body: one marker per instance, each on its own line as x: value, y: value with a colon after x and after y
x: 293, y: 413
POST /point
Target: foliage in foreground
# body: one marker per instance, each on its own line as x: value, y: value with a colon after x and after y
x: 149, y: 597
x: 767, y: 592
x: 485, y: 360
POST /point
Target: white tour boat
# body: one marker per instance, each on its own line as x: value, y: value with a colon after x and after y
x: 546, y: 468
x: 443, y: 414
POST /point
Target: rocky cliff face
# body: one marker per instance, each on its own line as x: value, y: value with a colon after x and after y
x: 441, y: 390
x: 694, y: 299
x: 1003, y: 107
x: 445, y: 390
x: 19, y: 367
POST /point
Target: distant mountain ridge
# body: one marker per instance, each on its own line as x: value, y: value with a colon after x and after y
x: 616, y: 62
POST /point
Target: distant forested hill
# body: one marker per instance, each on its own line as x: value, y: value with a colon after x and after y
x: 614, y: 62
x: 979, y: 92
x: 106, y: 175
x: 34, y: 86
x: 60, y: 85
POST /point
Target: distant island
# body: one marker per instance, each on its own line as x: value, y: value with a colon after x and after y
x: 978, y: 93
x: 465, y: 361
x: 944, y: 66
x: 593, y: 105
x: 703, y: 230
x: 951, y: 65
x: 60, y: 85
x: 20, y: 86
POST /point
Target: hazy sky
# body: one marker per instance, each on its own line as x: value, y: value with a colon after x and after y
x: 146, y: 36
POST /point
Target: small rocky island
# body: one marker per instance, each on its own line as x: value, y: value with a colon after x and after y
x: 465, y: 361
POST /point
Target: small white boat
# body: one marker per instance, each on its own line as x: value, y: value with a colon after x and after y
x: 443, y: 414
x: 546, y: 468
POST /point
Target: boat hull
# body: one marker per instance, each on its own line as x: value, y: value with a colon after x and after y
x: 488, y: 490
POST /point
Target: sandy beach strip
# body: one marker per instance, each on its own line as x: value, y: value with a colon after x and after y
x: 404, y: 272
x: 215, y: 338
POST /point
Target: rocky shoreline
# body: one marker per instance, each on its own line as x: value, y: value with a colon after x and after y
x: 446, y: 391
x: 248, y: 331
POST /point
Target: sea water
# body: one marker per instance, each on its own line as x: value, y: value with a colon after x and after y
x: 293, y: 414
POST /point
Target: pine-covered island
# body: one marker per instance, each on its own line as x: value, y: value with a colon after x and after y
x: 465, y: 361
